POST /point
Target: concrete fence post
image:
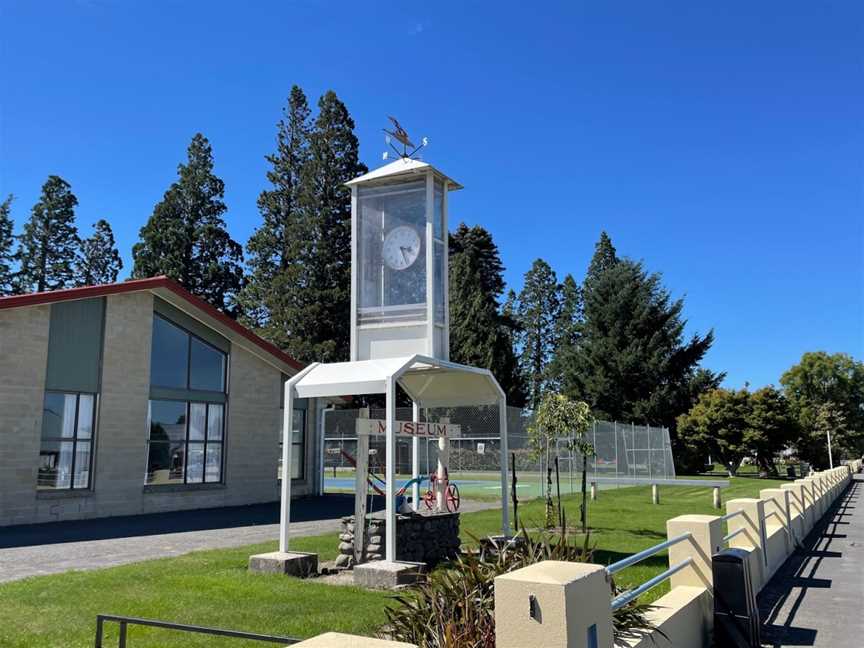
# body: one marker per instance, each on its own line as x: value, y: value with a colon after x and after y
x: 706, y: 539
x: 753, y: 537
x: 655, y: 494
x: 717, y: 501
x: 796, y: 510
x: 777, y: 520
x: 555, y: 605
x: 808, y: 504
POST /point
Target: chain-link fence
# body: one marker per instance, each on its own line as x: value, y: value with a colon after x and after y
x: 622, y: 450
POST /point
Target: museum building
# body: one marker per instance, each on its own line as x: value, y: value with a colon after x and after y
x: 139, y: 397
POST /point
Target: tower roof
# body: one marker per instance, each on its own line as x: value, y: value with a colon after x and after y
x: 403, y: 167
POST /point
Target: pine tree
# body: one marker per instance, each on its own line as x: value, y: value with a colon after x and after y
x: 185, y: 237
x: 273, y: 294
x: 479, y: 333
x: 48, y: 244
x: 605, y: 257
x: 632, y: 362
x: 536, y: 312
x: 568, y: 327
x: 6, y: 254
x: 319, y: 317
x: 98, y: 261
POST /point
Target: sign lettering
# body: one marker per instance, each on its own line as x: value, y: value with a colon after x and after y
x: 378, y: 427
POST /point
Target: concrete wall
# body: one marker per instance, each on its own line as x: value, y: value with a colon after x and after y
x: 23, y: 361
x: 251, y: 446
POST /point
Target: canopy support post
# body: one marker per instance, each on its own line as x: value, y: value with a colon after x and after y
x: 415, y: 458
x: 390, y: 470
x: 502, y: 425
x: 287, y: 430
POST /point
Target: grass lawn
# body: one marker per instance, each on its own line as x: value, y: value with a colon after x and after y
x: 213, y: 588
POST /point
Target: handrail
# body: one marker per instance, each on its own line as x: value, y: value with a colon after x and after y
x: 615, y: 567
x: 125, y: 621
x: 731, y: 515
x: 729, y: 536
x: 631, y: 595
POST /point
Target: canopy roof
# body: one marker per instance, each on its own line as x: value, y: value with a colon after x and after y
x: 431, y: 382
x: 403, y: 167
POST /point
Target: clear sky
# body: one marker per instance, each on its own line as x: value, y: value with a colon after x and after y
x: 720, y: 142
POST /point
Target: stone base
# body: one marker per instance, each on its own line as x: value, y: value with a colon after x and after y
x: 381, y: 574
x: 292, y: 563
x: 339, y: 640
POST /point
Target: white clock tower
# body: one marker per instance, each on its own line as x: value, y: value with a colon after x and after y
x: 399, y: 300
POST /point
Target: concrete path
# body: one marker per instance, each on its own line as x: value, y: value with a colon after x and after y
x: 56, y: 547
x: 817, y: 597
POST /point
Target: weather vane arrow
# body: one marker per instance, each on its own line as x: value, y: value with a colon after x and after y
x: 401, y: 135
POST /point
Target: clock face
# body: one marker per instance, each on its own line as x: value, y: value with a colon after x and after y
x: 401, y: 247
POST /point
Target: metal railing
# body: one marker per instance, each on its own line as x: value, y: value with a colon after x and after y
x: 124, y: 622
x: 626, y: 597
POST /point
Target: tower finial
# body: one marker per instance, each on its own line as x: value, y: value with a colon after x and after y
x: 401, y: 135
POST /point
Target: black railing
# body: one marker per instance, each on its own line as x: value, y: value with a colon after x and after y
x: 125, y: 622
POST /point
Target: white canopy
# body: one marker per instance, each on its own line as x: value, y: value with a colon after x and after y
x: 434, y: 383
x: 428, y: 381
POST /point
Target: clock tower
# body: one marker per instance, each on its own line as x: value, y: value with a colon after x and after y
x: 399, y: 300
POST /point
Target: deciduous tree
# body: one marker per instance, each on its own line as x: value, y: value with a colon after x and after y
x: 770, y: 427
x: 718, y: 425
x: 823, y: 382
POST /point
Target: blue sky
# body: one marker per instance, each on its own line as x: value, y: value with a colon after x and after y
x: 720, y: 142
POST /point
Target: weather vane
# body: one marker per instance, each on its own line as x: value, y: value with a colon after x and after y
x: 400, y: 135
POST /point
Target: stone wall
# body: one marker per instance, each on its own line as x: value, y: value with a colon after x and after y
x: 419, y: 538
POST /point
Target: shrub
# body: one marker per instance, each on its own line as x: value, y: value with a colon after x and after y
x: 455, y: 608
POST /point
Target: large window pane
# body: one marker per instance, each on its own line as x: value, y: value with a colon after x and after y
x: 85, y: 416
x: 195, y: 464
x: 167, y: 421
x: 214, y: 423
x: 64, y: 454
x: 169, y: 355
x: 197, y: 421
x: 82, y: 464
x: 214, y: 462
x: 207, y: 366
x: 55, y: 465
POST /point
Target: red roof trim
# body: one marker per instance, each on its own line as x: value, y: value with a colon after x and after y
x: 135, y: 285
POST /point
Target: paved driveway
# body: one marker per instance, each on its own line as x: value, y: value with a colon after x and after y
x: 56, y: 547
x: 817, y: 596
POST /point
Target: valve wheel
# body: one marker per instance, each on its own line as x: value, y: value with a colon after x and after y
x: 429, y: 499
x: 451, y: 498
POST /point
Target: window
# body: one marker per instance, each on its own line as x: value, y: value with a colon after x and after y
x: 185, y: 445
x: 180, y: 360
x: 65, y: 454
x: 298, y: 444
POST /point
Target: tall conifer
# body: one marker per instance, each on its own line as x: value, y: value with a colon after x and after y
x: 537, y: 314
x: 273, y: 294
x: 185, y: 237
x: 320, y: 327
x: 480, y: 334
x: 6, y: 241
x: 98, y: 261
x: 48, y: 244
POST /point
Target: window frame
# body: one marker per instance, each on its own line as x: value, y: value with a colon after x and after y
x: 190, y: 335
x: 204, y: 443
x: 294, y: 444
x: 74, y: 440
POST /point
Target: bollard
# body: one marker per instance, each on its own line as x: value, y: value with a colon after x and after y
x: 655, y: 494
x: 717, y: 502
x: 593, y: 491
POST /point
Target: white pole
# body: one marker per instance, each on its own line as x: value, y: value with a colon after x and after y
x: 390, y: 471
x: 285, y: 508
x: 502, y: 426
x: 415, y: 457
x: 830, y: 456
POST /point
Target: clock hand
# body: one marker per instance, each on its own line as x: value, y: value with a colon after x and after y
x: 402, y: 250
